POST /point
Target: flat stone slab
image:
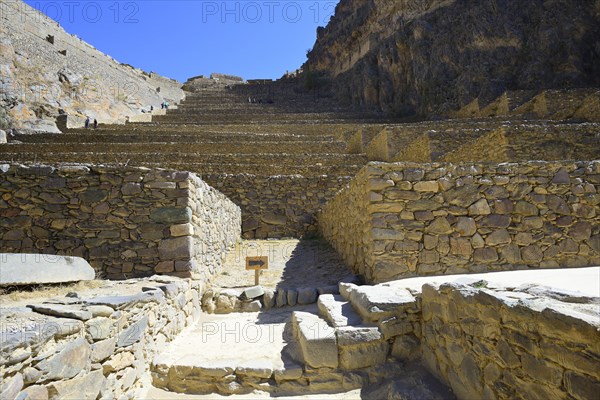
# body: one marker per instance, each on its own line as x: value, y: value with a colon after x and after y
x: 584, y: 281
x: 58, y: 310
x: 30, y: 269
x: 337, y: 311
x: 249, y: 344
x: 122, y: 302
x: 375, y: 303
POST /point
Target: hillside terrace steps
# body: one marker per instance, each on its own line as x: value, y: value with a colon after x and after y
x: 279, y: 184
x: 251, y: 118
x: 304, y: 129
x: 433, y: 145
x: 548, y: 104
x: 310, y: 155
x: 448, y: 140
x: 560, y: 104
x: 94, y: 157
x: 590, y: 108
x: 507, y: 103
x: 520, y: 142
x: 232, y: 147
x: 168, y: 137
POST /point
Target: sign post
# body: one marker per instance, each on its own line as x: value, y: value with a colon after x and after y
x: 257, y: 264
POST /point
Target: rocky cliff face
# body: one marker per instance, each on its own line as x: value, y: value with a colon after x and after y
x: 431, y: 56
x: 44, y: 72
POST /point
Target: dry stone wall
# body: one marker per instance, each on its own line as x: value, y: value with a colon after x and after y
x: 399, y: 220
x: 127, y: 222
x: 96, y: 346
x: 278, y: 206
x: 534, y: 342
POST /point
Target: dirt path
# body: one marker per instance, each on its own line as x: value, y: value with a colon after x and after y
x: 292, y: 263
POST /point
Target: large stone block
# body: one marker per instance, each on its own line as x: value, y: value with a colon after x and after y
x: 25, y: 269
x: 375, y: 303
x: 176, y: 248
x: 363, y: 355
x: 337, y: 311
x: 317, y: 340
x: 59, y: 310
x: 171, y: 215
x: 307, y: 295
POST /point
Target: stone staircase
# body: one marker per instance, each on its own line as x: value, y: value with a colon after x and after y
x: 282, y: 159
x: 360, y: 338
x: 279, y: 161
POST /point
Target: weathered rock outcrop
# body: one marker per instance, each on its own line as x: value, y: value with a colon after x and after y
x: 44, y: 72
x: 431, y: 56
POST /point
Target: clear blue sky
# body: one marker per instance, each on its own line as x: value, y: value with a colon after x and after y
x: 181, y: 39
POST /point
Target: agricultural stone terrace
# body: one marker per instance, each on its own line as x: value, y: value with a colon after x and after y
x: 392, y: 276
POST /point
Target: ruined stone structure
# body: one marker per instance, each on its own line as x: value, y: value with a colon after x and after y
x: 98, y: 347
x: 279, y: 172
x: 127, y: 222
x: 400, y: 220
x: 449, y: 263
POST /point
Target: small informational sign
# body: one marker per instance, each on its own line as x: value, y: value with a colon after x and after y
x: 257, y: 264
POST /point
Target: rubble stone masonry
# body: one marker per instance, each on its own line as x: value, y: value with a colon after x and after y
x: 127, y: 222
x: 401, y: 219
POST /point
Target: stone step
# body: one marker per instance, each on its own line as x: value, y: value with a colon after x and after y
x: 361, y: 347
x: 168, y: 137
x: 304, y: 129
x: 374, y: 304
x: 266, y: 109
x: 266, y: 169
x: 280, y: 352
x: 337, y: 311
x: 317, y: 340
x: 317, y: 122
x: 256, y: 118
x: 235, y: 169
x: 346, y: 347
x: 218, y: 169
x: 323, y: 160
x: 238, y: 147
